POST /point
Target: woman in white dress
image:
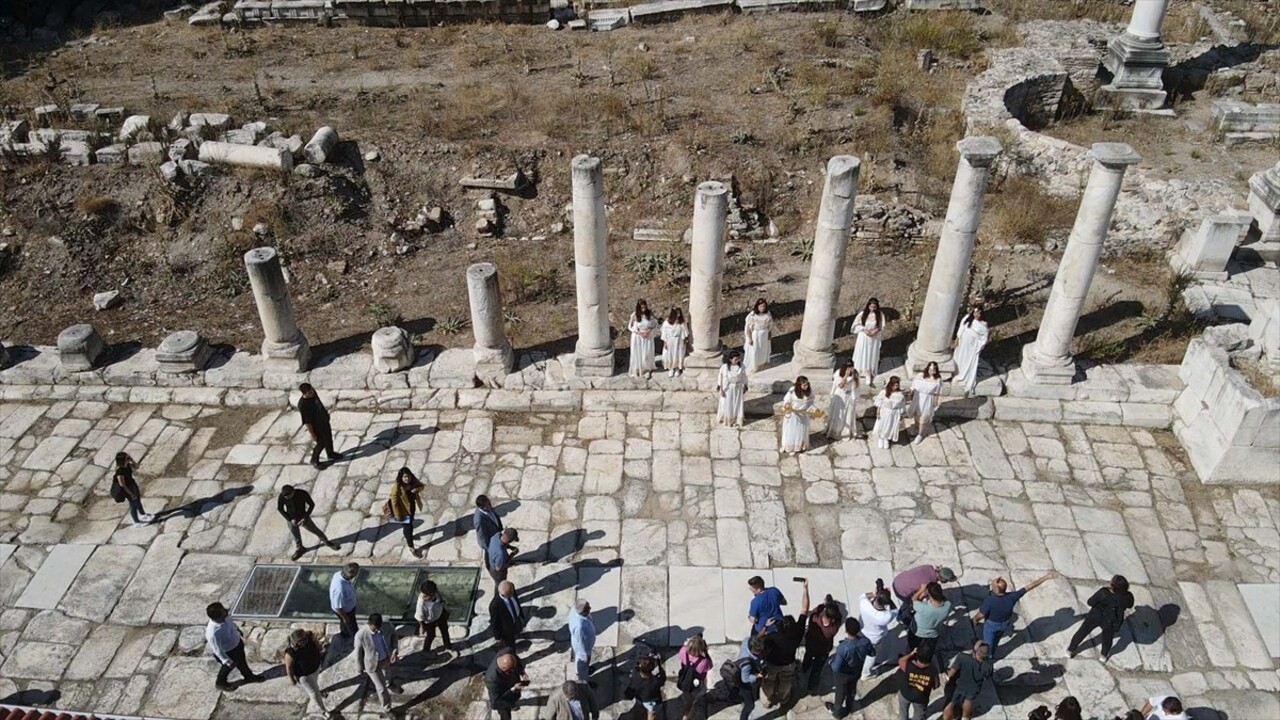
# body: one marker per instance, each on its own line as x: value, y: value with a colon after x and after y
x: 890, y: 404
x: 842, y: 418
x: 675, y: 337
x: 732, y: 386
x: 868, y: 325
x: 971, y: 336
x: 797, y: 412
x: 644, y: 329
x: 757, y: 346
x: 925, y: 391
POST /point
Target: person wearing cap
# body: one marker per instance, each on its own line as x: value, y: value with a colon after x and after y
x: 905, y: 586
x: 970, y: 673
x: 996, y: 612
x: 377, y: 649
x: 501, y: 551
x: 582, y: 639
x: 342, y: 597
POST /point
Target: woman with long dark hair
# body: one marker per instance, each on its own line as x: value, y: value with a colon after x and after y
x: 1107, y: 607
x: 731, y: 385
x: 758, y: 343
x: 125, y: 489
x: 644, y: 328
x: 675, y: 340
x: 404, y: 503
x: 797, y: 412
x: 890, y: 405
x: 868, y: 325
x: 925, y: 391
x: 842, y: 417
x: 971, y: 337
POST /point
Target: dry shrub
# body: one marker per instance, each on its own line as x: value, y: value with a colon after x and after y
x: 637, y: 66
x: 952, y: 32
x: 1023, y: 212
x: 97, y: 205
x: 824, y: 85
x: 1259, y: 377
x: 524, y: 282
x: 1108, y: 11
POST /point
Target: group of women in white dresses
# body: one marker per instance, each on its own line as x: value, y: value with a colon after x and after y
x: 893, y: 404
x: 645, y: 332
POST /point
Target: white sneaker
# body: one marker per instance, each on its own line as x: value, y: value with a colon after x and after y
x: 919, y: 439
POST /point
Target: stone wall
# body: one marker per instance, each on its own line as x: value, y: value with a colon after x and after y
x: 1230, y: 432
x: 1027, y: 86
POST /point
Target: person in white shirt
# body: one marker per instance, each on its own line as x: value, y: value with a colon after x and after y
x: 876, y: 611
x: 226, y: 644
x: 342, y: 597
x: 377, y: 649
x: 1164, y: 707
x: 433, y: 616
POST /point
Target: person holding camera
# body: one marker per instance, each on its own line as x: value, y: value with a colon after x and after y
x: 645, y: 685
x: 505, y: 679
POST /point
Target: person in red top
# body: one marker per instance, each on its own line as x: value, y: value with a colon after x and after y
x: 824, y: 624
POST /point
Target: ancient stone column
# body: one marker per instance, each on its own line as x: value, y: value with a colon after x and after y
x: 1048, y: 361
x: 284, y: 348
x: 494, y: 358
x: 944, y: 302
x: 816, y: 346
x: 706, y: 273
x: 593, y: 353
x: 1137, y: 58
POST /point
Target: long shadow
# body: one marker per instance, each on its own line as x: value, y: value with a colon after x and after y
x: 1039, y: 630
x: 33, y: 696
x: 1192, y: 74
x: 330, y: 350
x: 561, y: 547
x: 387, y: 439
x: 461, y: 525
x: 196, y: 508
x: 1105, y: 317
x: 373, y: 534
x: 564, y: 579
x: 1145, y: 625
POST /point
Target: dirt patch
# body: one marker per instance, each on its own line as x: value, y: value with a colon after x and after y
x: 765, y: 100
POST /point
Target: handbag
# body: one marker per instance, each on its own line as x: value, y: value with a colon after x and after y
x: 386, y: 510
x: 117, y: 492
x: 688, y: 680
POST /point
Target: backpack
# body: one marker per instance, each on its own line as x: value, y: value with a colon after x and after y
x: 688, y: 679
x: 731, y: 672
x: 117, y: 491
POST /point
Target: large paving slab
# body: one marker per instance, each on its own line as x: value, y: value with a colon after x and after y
x: 695, y: 604
x: 200, y: 579
x: 55, y: 575
x: 602, y: 587
x: 737, y: 600
x: 1263, y: 602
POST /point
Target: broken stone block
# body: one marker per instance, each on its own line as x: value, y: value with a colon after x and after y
x: 317, y: 150
x: 75, y: 152
x: 240, y: 137
x: 514, y: 181
x: 217, y: 121
x: 146, y: 153
x: 83, y: 111
x: 109, y: 113
x: 169, y: 171
x: 195, y: 168
x: 307, y: 170
x: 133, y: 125
x: 14, y: 131
x: 181, y: 149
x: 45, y: 114
x: 246, y: 156
x: 106, y: 300
x: 110, y: 155
x: 80, y: 347
x: 392, y: 350
x: 208, y: 14
x: 182, y: 351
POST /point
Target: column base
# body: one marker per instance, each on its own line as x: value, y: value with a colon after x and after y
x: 705, y: 358
x: 1044, y: 372
x: 494, y: 364
x: 918, y: 358
x: 293, y: 356
x: 589, y: 365
x: 1139, y: 100
x: 804, y: 358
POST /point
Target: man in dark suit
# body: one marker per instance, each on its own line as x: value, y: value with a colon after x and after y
x: 504, y: 680
x: 506, y: 616
x: 486, y: 523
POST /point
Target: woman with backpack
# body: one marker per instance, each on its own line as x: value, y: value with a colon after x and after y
x: 695, y: 663
x: 125, y: 489
x: 645, y: 686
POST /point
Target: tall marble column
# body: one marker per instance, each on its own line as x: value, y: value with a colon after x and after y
x: 706, y: 273
x: 1137, y: 58
x: 593, y: 353
x: 816, y: 347
x: 284, y: 347
x: 1048, y: 360
x: 945, y: 299
x: 493, y: 354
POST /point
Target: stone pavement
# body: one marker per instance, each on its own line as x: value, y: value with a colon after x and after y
x: 658, y: 518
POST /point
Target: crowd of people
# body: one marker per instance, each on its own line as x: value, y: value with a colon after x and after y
x: 782, y: 657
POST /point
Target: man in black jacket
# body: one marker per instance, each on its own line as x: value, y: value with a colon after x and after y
x: 296, y: 506
x: 504, y: 680
x: 315, y: 418
x: 506, y: 616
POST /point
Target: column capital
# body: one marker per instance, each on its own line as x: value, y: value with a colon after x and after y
x: 1115, y: 156
x: 979, y: 150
